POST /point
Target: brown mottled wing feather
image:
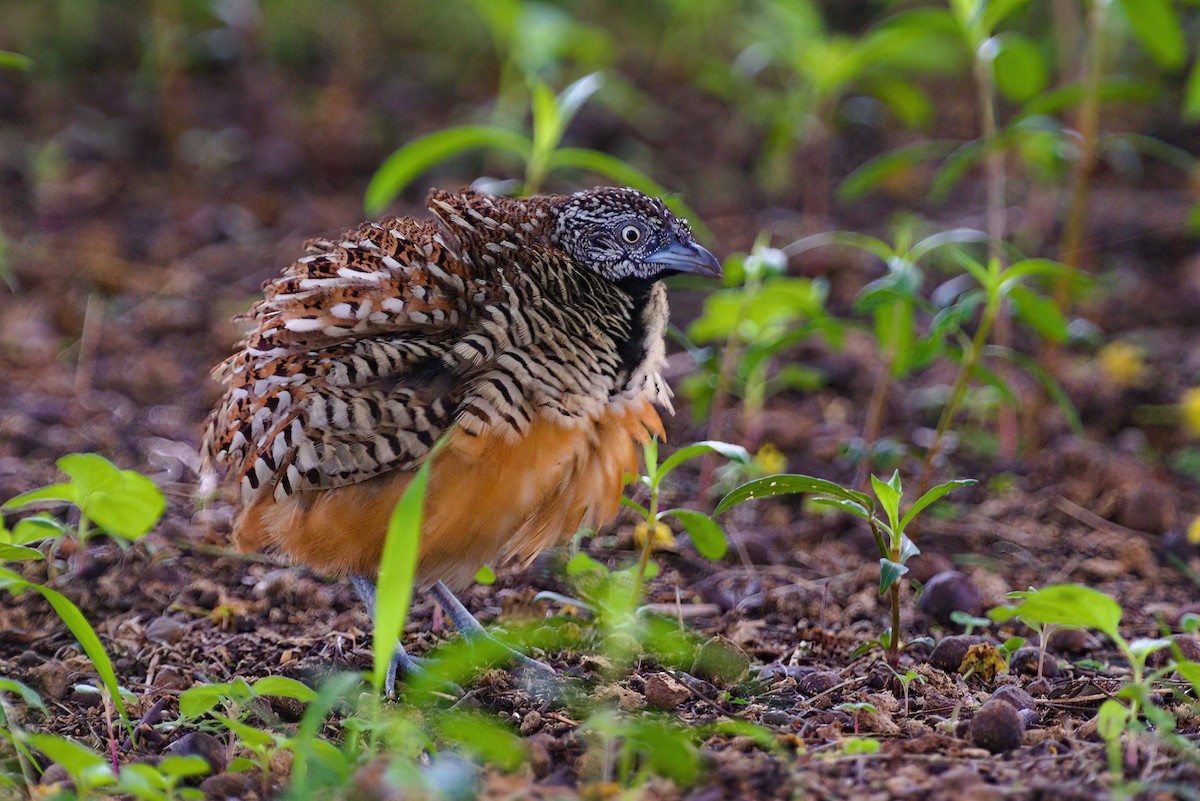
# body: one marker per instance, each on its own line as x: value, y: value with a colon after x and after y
x: 345, y: 373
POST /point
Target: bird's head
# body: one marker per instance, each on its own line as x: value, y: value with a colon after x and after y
x: 622, y: 235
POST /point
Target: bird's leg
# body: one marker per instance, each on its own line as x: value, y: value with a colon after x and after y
x: 472, y: 629
x: 401, y: 659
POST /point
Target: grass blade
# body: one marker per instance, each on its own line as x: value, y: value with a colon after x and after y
x: 397, y: 569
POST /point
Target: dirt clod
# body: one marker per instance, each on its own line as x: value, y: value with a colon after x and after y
x: 52, y: 679
x: 665, y: 691
x: 997, y: 727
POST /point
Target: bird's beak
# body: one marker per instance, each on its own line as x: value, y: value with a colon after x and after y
x: 687, y: 257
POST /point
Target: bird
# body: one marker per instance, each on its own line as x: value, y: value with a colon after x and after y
x: 525, y: 335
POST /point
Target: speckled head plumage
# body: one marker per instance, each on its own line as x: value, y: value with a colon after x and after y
x: 622, y: 235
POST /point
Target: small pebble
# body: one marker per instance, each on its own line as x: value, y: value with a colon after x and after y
x: 817, y: 682
x: 1014, y: 695
x: 203, y: 745
x: 1025, y: 661
x: 948, y: 654
x: 948, y: 592
x: 165, y: 630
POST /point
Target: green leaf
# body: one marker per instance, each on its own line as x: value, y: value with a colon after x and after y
x: 15, y: 61
x: 483, y: 737
x: 571, y: 99
x: 78, y: 759
x: 735, y: 453
x: 1039, y: 313
x: 1049, y: 384
x: 55, y: 492
x: 875, y: 172
x: 889, y: 494
x: 889, y: 571
x: 397, y: 569
x: 122, y: 502
x: 37, y: 528
x: 706, y: 535
x: 1019, y: 68
x: 250, y: 736
x: 1112, y: 719
x: 284, y: 687
x: 1156, y: 26
x: 627, y: 175
x: 790, y: 484
x: 183, y: 766
x: 581, y: 563
x: 1191, y: 95
x: 996, y: 11
x: 403, y: 166
x: 856, y: 509
x: 18, y: 553
x: 1072, y: 605
x: 79, y: 626
x: 868, y: 244
x: 196, y: 701
x: 932, y: 495
x: 485, y: 575
x: 27, y: 693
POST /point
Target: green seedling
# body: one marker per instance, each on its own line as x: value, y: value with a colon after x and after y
x: 896, y: 309
x: 1076, y: 606
x: 706, y: 534
x: 88, y: 769
x: 968, y: 621
x: 792, y: 79
x: 905, y: 680
x: 856, y: 709
x: 235, y: 697
x: 540, y: 151
x: 742, y: 333
x: 121, y: 503
x: 78, y: 625
x: 537, y: 40
x: 160, y: 781
x: 895, y: 547
x: 14, y: 734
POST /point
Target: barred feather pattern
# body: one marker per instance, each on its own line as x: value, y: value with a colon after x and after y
x: 365, y: 351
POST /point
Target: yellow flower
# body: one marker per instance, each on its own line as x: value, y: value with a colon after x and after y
x: 770, y: 460
x: 1193, y: 532
x: 1123, y: 364
x: 663, y: 538
x: 1191, y: 411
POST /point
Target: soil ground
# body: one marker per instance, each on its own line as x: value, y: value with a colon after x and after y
x: 130, y: 258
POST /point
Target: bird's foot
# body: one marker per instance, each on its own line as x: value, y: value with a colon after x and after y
x: 474, y: 631
x: 404, y: 663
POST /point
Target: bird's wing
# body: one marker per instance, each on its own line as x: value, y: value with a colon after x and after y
x: 349, y: 369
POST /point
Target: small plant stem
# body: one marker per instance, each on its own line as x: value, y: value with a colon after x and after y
x: 894, y: 644
x: 1071, y: 252
x: 721, y: 394
x: 79, y: 559
x: 994, y: 164
x: 960, y: 388
x: 639, y: 578
x: 13, y: 728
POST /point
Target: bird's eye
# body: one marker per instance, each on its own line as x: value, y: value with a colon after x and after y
x: 631, y: 234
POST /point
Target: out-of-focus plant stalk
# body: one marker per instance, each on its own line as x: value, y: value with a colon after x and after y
x: 1071, y: 252
x: 985, y: 81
